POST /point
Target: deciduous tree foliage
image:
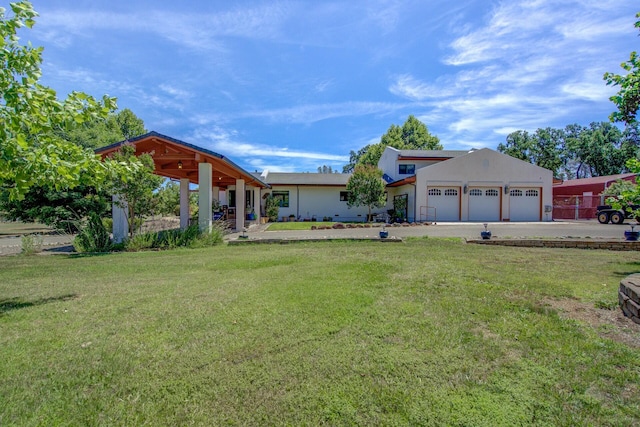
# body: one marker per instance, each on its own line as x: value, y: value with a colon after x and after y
x: 412, y: 135
x: 100, y: 132
x: 366, y: 188
x: 31, y: 152
x: 576, y: 151
x: 135, y: 190
x: 628, y: 97
x: 62, y: 210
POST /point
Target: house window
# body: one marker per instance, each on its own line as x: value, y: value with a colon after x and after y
x: 475, y: 192
x: 515, y: 193
x: 406, y: 169
x: 532, y: 193
x: 491, y: 193
x: 344, y: 196
x: 434, y: 192
x: 450, y: 192
x: 283, y: 196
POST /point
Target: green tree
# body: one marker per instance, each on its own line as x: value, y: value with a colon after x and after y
x: 620, y: 187
x: 519, y: 144
x: 167, y: 199
x: 137, y: 191
x: 628, y: 196
x: 31, y: 154
x: 628, y: 97
x: 366, y: 188
x: 325, y: 169
x: 576, y: 151
x: 100, y: 132
x: 542, y: 148
x: 412, y: 135
x: 62, y: 210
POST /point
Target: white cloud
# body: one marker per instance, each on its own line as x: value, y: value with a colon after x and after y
x: 226, y: 141
x: 175, y: 92
x: 202, y: 31
x: 409, y: 87
x: 311, y: 113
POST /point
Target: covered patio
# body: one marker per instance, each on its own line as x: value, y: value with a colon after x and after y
x: 190, y: 164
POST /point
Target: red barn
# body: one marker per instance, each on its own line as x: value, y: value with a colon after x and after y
x: 578, y: 198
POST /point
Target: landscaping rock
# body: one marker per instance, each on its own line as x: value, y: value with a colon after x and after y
x: 629, y: 297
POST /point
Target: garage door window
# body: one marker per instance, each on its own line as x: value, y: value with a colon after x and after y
x: 450, y: 192
x: 515, y: 193
x: 532, y: 193
x: 435, y: 192
x: 491, y: 193
x: 475, y: 192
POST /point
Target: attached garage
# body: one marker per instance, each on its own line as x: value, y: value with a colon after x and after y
x: 484, y: 204
x: 525, y: 204
x: 446, y: 201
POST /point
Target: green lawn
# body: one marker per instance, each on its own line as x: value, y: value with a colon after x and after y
x: 427, y: 332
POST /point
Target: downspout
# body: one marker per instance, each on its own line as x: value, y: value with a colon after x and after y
x: 297, y: 202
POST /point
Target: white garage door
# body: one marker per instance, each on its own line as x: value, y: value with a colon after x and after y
x: 484, y: 204
x: 524, y: 204
x: 446, y: 201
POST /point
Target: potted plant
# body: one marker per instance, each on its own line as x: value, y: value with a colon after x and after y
x: 272, y: 207
x: 632, y: 235
x: 486, y: 234
x: 292, y: 218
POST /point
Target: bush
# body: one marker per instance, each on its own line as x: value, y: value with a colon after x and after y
x: 214, y: 237
x: 93, y: 236
x: 31, y: 244
x: 190, y: 237
x: 272, y: 207
x: 108, y: 224
x: 142, y: 241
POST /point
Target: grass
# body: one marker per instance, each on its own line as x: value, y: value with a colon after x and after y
x: 428, y: 332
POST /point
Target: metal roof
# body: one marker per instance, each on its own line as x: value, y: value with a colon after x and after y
x: 177, y: 159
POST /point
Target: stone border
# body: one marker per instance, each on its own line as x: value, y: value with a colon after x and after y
x: 614, y: 245
x: 629, y: 297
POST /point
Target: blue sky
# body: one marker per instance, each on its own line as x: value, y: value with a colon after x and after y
x: 293, y: 85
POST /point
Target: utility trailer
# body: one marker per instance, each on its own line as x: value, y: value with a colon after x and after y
x: 606, y: 214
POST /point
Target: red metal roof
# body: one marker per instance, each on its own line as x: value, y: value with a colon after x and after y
x: 594, y: 181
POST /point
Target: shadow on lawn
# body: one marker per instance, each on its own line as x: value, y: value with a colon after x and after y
x: 8, y: 305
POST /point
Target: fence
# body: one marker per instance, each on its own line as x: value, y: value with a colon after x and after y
x: 576, y: 207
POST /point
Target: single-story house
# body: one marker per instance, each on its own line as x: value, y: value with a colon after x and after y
x: 422, y: 186
x: 430, y: 186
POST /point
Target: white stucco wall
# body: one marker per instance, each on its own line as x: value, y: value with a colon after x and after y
x: 485, y: 168
x: 318, y: 201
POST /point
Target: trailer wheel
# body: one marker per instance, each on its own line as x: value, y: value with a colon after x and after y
x: 603, y: 217
x: 617, y: 218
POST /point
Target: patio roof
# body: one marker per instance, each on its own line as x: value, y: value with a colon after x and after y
x: 177, y: 159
